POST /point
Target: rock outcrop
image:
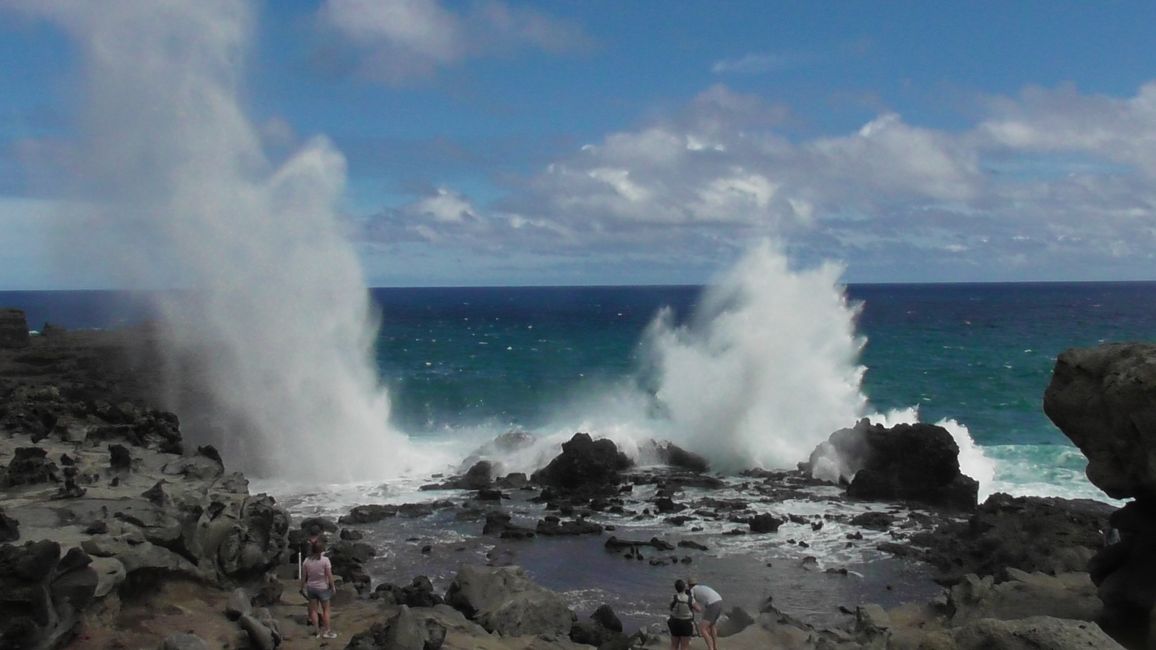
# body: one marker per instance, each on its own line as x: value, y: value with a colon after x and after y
x: 585, y: 467
x: 1026, y: 533
x: 103, y: 502
x: 506, y: 601
x: 1104, y: 399
x: 908, y: 462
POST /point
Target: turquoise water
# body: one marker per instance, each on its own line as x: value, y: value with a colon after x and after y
x: 480, y: 361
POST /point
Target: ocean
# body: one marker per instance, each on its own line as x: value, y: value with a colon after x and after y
x: 463, y: 365
x: 472, y: 363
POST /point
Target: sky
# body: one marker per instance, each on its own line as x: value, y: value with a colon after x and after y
x: 495, y: 142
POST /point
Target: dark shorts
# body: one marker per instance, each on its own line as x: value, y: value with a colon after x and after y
x: 680, y: 626
x: 318, y: 594
x: 711, y: 612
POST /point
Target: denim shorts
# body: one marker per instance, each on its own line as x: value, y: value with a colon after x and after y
x: 318, y: 594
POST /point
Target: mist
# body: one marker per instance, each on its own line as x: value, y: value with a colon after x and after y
x: 174, y: 189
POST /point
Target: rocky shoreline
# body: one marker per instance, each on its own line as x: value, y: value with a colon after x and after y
x: 119, y: 532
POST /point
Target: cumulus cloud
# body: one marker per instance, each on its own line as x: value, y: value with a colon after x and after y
x: 1044, y: 183
x: 395, y: 41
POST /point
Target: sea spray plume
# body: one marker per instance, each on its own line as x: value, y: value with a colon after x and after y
x: 767, y: 367
x: 173, y: 173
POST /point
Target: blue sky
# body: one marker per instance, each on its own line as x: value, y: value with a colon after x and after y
x: 599, y: 142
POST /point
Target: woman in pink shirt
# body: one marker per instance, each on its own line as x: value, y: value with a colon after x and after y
x: 318, y: 586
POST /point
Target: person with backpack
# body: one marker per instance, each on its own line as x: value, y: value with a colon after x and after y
x: 681, y: 621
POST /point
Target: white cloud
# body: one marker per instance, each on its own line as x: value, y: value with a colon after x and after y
x: 400, y: 40
x: 752, y: 64
x: 1051, y: 184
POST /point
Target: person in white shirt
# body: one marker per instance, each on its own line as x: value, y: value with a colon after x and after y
x: 709, y: 602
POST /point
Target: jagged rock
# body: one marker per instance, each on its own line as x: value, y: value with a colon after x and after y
x: 765, y: 523
x: 478, y: 476
x: 504, y: 600
x: 1104, y: 400
x: 908, y: 462
x: 585, y: 465
x: 43, y: 597
x: 29, y: 466
x: 1028, y: 533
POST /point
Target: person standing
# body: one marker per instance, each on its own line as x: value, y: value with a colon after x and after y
x: 709, y: 602
x: 681, y: 621
x: 317, y: 582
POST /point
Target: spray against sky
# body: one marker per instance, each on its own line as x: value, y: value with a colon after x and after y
x: 173, y: 168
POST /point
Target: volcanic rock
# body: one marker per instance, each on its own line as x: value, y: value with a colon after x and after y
x: 1104, y: 399
x: 505, y: 601
x: 908, y: 462
x: 586, y: 466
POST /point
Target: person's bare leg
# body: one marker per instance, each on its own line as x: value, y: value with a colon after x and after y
x: 313, y: 616
x: 325, y: 615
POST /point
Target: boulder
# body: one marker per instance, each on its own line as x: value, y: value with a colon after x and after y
x: 42, y: 597
x: 504, y: 600
x: 765, y: 523
x: 1104, y: 400
x: 585, y: 466
x: 29, y: 466
x: 908, y: 462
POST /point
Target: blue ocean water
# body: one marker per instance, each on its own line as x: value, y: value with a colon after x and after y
x: 480, y: 361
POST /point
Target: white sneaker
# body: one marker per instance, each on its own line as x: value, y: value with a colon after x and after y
x: 329, y: 635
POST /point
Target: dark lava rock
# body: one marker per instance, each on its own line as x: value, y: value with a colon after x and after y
x: 553, y: 526
x: 908, y: 462
x: 1028, y: 533
x: 873, y: 520
x: 368, y: 514
x: 29, y: 466
x: 585, y: 465
x: 765, y: 523
x: 1104, y: 399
